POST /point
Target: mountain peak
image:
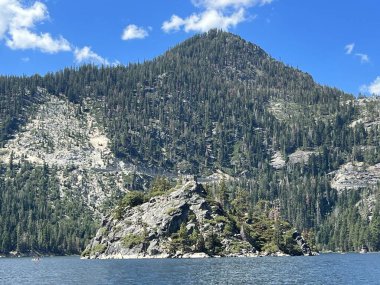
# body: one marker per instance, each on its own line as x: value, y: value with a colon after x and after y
x: 217, y: 41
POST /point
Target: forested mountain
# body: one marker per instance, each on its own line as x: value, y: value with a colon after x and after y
x: 214, y: 103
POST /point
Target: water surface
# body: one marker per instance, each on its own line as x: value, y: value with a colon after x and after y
x: 323, y: 269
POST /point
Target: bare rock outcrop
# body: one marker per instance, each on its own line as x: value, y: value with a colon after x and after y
x: 67, y: 137
x: 356, y: 175
x: 298, y: 157
x: 306, y: 250
x: 182, y: 223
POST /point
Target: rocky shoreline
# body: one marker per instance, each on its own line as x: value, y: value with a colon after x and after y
x: 195, y: 255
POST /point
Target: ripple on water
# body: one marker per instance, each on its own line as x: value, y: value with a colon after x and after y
x: 323, y: 269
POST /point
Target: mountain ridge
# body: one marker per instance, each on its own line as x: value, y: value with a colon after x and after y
x: 214, y: 103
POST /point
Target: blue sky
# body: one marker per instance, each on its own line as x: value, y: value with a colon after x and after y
x: 337, y: 42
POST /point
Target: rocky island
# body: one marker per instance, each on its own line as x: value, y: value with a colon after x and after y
x: 184, y: 223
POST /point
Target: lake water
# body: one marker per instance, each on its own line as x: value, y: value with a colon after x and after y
x: 323, y: 269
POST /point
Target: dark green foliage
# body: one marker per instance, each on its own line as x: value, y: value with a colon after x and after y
x: 132, y: 199
x: 346, y: 229
x: 374, y: 231
x: 17, y: 96
x: 260, y: 224
x: 159, y: 186
x: 132, y: 240
x: 213, y: 244
x: 33, y: 217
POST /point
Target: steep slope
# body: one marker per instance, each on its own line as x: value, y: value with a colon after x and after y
x: 17, y: 97
x: 57, y: 178
x: 171, y: 112
x: 355, y: 219
x: 63, y: 136
x: 179, y: 101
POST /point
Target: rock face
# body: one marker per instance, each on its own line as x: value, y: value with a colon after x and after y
x: 356, y: 175
x: 182, y: 223
x: 69, y: 138
x: 297, y: 157
x: 306, y: 250
x: 369, y: 112
x: 300, y: 156
x: 278, y: 161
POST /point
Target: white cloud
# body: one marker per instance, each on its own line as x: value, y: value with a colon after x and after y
x: 221, y: 14
x: 373, y: 88
x: 204, y: 21
x: 17, y: 27
x: 223, y: 4
x: 349, y: 48
x: 86, y: 55
x: 134, y: 32
x: 364, y: 58
x: 25, y: 39
x: 174, y: 24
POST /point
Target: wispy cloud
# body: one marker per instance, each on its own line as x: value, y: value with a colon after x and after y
x: 86, y: 55
x: 17, y: 27
x: 364, y: 58
x: 134, y: 32
x: 221, y: 14
x: 349, y: 48
x: 373, y: 88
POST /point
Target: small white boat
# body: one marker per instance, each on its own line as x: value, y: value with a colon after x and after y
x: 364, y: 249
